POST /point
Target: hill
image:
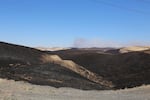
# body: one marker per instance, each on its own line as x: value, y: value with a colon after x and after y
x: 94, y: 68
x: 35, y: 66
x: 122, y: 69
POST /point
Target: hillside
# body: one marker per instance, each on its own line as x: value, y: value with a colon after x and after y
x: 96, y: 68
x: 134, y: 48
x: 28, y: 64
x: 124, y: 70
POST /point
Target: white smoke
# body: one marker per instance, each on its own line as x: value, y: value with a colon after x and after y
x: 87, y: 43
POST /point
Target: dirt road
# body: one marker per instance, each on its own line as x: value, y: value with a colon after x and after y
x: 11, y: 90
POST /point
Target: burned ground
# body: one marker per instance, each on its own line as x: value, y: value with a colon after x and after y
x: 123, y: 70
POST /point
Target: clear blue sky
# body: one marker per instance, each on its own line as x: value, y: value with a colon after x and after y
x: 63, y: 22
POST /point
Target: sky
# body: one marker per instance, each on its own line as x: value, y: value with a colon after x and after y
x: 75, y: 23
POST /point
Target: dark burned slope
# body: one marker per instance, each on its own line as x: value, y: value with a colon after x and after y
x: 28, y: 64
x: 23, y: 63
x: 124, y: 70
x: 19, y: 53
x: 47, y: 74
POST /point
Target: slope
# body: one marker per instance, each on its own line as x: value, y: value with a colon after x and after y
x: 123, y: 70
x: 19, y: 63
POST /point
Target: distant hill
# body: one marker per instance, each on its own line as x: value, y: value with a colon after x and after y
x: 51, y: 49
x: 134, y: 48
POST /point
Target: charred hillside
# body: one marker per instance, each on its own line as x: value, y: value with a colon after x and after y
x: 76, y: 68
x: 28, y: 64
x: 124, y: 70
x: 23, y: 54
